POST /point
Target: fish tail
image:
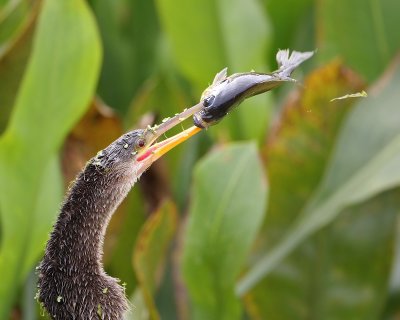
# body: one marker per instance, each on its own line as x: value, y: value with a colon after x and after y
x: 287, y: 63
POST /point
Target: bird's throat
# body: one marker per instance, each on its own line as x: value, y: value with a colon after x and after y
x: 77, y: 238
x: 71, y: 266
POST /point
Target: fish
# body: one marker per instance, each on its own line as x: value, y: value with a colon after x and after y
x: 227, y: 92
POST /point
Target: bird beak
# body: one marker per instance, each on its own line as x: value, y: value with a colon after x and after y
x: 156, y: 150
x: 152, y: 151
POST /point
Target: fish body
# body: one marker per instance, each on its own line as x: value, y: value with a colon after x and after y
x: 227, y: 92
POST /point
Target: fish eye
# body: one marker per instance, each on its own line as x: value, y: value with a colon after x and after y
x: 140, y: 143
x: 208, y: 101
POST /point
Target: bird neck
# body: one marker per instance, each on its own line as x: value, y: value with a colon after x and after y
x: 78, y: 235
x: 72, y: 283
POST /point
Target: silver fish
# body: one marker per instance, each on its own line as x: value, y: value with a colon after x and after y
x: 227, y: 92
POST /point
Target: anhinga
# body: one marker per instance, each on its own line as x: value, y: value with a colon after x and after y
x: 72, y: 281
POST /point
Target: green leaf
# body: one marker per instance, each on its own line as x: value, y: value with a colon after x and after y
x: 218, y: 34
x: 130, y: 221
x: 58, y: 84
x: 140, y: 310
x: 340, y: 273
x: 12, y: 67
x: 354, y: 175
x: 303, y: 136
x: 47, y: 204
x: 130, y: 34
x: 14, y: 19
x: 286, y: 22
x: 229, y: 199
x: 150, y: 251
x: 368, y: 55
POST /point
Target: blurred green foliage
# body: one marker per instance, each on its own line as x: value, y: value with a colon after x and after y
x: 325, y: 246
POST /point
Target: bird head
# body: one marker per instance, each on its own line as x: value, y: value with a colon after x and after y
x: 136, y: 150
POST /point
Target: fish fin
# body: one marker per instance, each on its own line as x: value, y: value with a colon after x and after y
x: 287, y: 63
x: 220, y: 76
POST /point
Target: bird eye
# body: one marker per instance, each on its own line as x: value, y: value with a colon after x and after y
x: 208, y: 101
x: 140, y: 143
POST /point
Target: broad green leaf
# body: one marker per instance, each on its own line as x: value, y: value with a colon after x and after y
x: 130, y: 220
x: 129, y: 31
x: 139, y: 310
x: 357, y: 171
x: 161, y: 95
x: 363, y: 33
x: 286, y: 22
x: 12, y: 67
x: 293, y: 26
x: 150, y: 251
x: 29, y: 306
x: 207, y: 36
x: 392, y: 306
x: 229, y: 198
x: 190, y: 152
x: 303, y: 136
x: 13, y: 22
x: 58, y: 84
x: 45, y: 210
x: 340, y: 273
